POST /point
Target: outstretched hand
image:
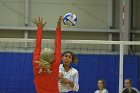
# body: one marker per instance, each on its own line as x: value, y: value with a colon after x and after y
x: 38, y: 22
x: 59, y: 21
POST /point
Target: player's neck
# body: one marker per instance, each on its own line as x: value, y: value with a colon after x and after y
x: 67, y: 68
x: 101, y: 88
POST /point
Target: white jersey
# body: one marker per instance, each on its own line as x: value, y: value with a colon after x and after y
x: 103, y: 91
x: 71, y: 75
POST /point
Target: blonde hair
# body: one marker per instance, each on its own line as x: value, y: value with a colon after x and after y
x: 47, y: 54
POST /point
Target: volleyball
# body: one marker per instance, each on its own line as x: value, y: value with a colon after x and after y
x: 69, y: 20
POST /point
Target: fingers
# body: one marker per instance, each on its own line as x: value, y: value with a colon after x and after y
x: 35, y: 21
x: 59, y: 21
x: 60, y: 18
x: 44, y: 24
x: 38, y: 62
x: 39, y: 22
x: 39, y: 65
x: 38, y: 19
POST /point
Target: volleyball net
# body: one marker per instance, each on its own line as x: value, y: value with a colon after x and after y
x: 112, y: 61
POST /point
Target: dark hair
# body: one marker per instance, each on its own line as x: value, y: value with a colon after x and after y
x: 102, y: 82
x: 74, y: 57
x: 129, y: 80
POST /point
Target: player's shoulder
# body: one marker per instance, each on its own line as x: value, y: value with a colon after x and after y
x: 105, y: 90
x: 135, y: 89
x: 74, y: 70
x: 124, y: 89
x: 97, y: 91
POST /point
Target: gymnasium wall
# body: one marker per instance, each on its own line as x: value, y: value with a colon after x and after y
x: 16, y: 74
x: 91, y: 13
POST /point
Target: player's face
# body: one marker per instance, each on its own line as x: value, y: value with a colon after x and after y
x: 127, y: 84
x: 100, y: 84
x: 67, y: 59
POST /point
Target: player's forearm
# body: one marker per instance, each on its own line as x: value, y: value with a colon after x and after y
x: 39, y: 37
x: 58, y: 37
x: 38, y: 43
x: 58, y: 45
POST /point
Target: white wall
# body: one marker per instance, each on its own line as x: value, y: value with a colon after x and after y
x: 11, y: 12
x: 91, y: 13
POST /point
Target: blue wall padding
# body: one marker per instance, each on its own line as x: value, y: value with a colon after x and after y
x: 16, y: 74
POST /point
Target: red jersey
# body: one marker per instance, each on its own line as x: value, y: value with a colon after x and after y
x: 47, y: 83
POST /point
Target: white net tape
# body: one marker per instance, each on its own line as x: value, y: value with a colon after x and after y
x: 77, y: 46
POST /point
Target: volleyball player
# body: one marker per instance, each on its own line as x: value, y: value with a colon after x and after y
x: 44, y: 82
x: 68, y: 76
x: 101, y: 87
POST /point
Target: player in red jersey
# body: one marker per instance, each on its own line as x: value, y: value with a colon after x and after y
x: 47, y: 82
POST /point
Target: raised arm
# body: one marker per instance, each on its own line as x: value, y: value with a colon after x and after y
x: 37, y: 49
x: 57, y: 52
